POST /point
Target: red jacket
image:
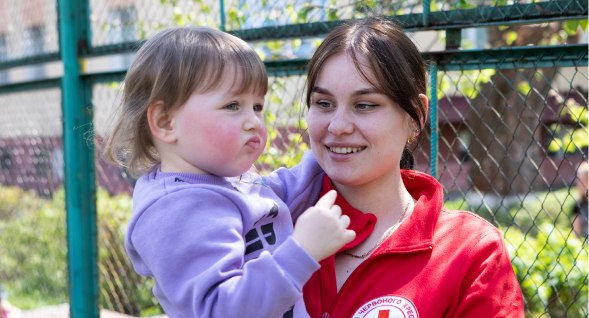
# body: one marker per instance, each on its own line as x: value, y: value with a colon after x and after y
x: 438, y: 263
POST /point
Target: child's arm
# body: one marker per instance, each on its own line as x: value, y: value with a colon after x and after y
x: 192, y: 242
x: 300, y: 186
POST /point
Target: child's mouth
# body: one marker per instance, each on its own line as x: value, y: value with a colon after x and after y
x: 254, y: 142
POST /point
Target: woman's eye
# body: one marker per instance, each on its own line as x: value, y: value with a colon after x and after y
x: 324, y: 104
x: 365, y: 106
x: 258, y: 108
x: 232, y: 106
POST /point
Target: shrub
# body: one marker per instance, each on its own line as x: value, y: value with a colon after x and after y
x: 34, y: 247
x: 552, y: 271
x: 33, y: 241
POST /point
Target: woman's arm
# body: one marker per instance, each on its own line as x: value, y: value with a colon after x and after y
x: 489, y: 287
x: 191, y: 242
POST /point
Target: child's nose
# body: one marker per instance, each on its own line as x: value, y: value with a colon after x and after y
x: 253, y: 122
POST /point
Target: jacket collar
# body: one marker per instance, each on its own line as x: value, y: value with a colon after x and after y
x: 416, y: 233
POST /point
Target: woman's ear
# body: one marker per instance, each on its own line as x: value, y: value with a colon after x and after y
x: 425, y: 102
x: 160, y: 123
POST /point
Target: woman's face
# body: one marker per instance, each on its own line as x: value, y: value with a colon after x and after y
x: 357, y: 134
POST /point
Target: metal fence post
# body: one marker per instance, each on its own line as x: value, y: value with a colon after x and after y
x: 426, y: 12
x: 222, y: 10
x: 80, y: 188
x: 434, y: 118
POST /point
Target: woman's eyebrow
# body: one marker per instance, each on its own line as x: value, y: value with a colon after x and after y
x: 321, y: 90
x: 366, y: 91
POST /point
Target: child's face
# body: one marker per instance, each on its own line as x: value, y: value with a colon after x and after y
x: 220, y: 132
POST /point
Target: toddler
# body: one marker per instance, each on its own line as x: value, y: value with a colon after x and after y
x: 218, y: 240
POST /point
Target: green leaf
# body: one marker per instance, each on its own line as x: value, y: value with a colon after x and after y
x: 304, y: 12
x: 511, y: 37
x: 234, y: 17
x: 332, y: 14
x: 555, y: 145
x: 571, y: 27
x: 583, y: 24
x: 524, y: 87
x: 462, y: 4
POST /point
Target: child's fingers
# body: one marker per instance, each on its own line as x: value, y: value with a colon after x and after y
x: 344, y: 221
x: 349, y: 235
x: 327, y: 200
x: 336, y: 210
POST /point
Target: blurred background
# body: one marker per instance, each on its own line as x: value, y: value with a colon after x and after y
x: 507, y: 135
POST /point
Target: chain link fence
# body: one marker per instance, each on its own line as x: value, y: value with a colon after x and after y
x: 508, y: 140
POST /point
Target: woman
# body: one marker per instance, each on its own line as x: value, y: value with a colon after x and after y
x: 411, y: 256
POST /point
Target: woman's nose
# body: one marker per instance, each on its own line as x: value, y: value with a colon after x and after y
x: 341, y: 123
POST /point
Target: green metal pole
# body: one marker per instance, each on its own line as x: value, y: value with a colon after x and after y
x: 80, y: 188
x: 222, y: 9
x: 434, y: 119
x: 426, y: 12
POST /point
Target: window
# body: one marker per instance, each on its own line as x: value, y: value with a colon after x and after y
x: 5, y: 158
x: 3, y: 48
x: 34, y: 41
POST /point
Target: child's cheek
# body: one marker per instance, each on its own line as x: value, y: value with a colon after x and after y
x: 222, y: 137
x: 264, y: 135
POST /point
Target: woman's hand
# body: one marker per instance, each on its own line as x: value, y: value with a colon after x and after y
x: 321, y: 229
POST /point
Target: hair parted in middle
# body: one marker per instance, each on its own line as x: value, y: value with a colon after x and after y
x: 395, y: 61
x: 170, y: 67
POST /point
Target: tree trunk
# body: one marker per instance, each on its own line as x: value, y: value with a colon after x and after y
x: 506, y: 146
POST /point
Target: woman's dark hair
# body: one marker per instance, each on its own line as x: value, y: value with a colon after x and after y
x: 395, y: 61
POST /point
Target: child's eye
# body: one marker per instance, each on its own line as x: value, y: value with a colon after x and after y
x: 258, y: 108
x: 232, y: 106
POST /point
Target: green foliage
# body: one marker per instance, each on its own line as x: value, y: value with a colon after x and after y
x: 33, y: 240
x: 285, y: 146
x: 572, y: 138
x: 572, y: 26
x: 511, y: 37
x: 465, y: 83
x: 121, y: 289
x: 463, y: 4
x: 550, y: 262
x: 524, y: 87
x: 34, y: 251
x: 552, y: 270
x: 304, y: 12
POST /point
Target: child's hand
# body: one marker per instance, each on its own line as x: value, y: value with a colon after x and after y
x: 321, y: 230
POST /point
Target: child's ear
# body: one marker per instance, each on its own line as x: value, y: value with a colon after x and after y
x: 160, y: 123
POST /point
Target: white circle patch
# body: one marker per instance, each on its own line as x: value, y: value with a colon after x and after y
x: 387, y: 307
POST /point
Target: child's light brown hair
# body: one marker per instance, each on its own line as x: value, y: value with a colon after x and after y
x: 170, y: 67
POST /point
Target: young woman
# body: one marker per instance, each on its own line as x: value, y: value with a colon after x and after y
x: 411, y: 257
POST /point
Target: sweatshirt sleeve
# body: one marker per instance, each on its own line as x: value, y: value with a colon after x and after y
x: 299, y: 187
x: 191, y: 242
x: 489, y: 287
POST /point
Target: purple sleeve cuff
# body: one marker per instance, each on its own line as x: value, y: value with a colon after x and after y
x: 295, y: 261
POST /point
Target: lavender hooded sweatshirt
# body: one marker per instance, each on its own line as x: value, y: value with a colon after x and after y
x: 223, y: 247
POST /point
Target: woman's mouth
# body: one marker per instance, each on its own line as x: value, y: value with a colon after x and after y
x: 345, y: 150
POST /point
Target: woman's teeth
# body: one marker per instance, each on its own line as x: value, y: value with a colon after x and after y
x: 345, y: 150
